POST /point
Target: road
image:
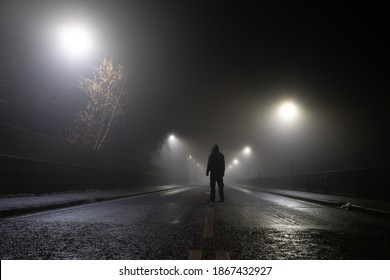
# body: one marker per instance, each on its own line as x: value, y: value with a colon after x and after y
x: 179, y: 224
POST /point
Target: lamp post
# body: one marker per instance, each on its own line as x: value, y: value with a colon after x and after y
x: 172, y: 138
x: 247, y: 151
x: 288, y: 112
x: 172, y: 147
x: 75, y: 40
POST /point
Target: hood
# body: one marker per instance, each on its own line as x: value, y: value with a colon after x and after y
x: 215, y: 149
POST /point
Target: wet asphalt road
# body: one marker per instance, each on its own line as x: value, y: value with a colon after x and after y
x: 178, y: 223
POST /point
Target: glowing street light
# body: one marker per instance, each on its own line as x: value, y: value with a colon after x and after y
x: 235, y: 161
x: 288, y: 111
x: 247, y: 150
x: 172, y: 138
x: 75, y: 39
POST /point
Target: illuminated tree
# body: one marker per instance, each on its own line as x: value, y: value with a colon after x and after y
x: 108, y: 93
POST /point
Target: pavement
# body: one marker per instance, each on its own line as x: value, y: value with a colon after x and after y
x: 13, y: 206
x: 373, y: 206
x: 23, y: 204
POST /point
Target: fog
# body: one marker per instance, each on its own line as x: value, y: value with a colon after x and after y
x: 210, y: 74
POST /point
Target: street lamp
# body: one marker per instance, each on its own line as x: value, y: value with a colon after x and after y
x: 247, y: 151
x: 288, y: 113
x: 75, y: 40
x: 171, y: 141
x: 172, y: 138
x: 174, y: 151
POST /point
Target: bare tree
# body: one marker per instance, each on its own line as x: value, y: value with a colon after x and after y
x: 107, y: 98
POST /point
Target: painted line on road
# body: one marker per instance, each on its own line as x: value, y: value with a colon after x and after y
x: 222, y: 255
x: 195, y: 255
x: 208, y: 229
x: 207, y: 233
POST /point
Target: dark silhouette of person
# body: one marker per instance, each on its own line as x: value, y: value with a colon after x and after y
x: 216, y: 166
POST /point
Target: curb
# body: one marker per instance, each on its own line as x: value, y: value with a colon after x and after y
x: 368, y: 210
x: 339, y: 205
x: 39, y: 208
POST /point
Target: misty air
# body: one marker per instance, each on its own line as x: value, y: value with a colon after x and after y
x: 160, y: 130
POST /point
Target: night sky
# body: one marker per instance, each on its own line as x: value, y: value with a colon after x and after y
x: 215, y: 72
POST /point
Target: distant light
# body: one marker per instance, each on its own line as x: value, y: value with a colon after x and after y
x: 247, y: 150
x: 75, y: 39
x: 172, y: 137
x: 235, y: 161
x: 230, y: 166
x: 189, y: 157
x: 288, y: 111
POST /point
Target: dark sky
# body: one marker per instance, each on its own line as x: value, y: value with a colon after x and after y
x: 214, y: 71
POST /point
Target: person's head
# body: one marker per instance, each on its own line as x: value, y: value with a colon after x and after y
x: 215, y: 149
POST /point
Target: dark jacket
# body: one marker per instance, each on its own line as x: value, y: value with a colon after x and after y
x: 216, y: 163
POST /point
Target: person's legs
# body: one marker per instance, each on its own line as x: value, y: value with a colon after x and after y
x: 213, y: 180
x: 220, y: 189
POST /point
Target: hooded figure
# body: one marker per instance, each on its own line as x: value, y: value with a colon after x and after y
x: 216, y: 166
